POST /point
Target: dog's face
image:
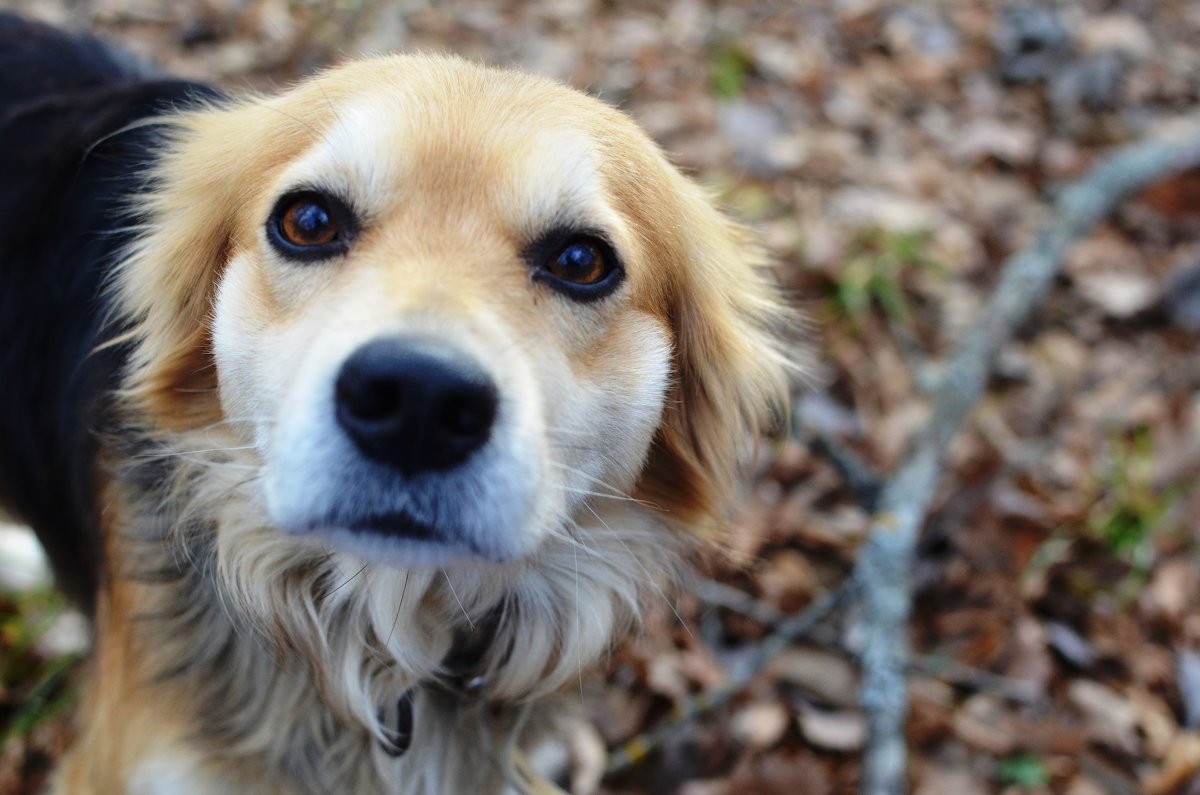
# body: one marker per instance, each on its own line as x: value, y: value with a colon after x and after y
x: 452, y: 309
x: 441, y: 318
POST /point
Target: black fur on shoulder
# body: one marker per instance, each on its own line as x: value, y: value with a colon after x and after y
x: 69, y: 160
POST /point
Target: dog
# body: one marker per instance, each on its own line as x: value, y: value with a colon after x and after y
x: 363, y: 417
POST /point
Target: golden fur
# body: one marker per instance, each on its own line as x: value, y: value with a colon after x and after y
x: 233, y: 657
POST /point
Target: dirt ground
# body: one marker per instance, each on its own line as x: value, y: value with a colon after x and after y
x: 891, y: 155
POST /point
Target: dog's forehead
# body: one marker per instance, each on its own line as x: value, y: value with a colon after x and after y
x: 527, y: 156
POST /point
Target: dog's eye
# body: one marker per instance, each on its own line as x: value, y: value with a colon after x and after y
x: 580, y: 266
x: 580, y: 262
x: 309, y: 225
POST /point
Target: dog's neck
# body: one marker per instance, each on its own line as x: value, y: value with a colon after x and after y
x: 462, y: 678
x: 313, y: 664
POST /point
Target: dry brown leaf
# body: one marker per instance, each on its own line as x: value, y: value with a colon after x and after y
x: 1031, y: 661
x: 664, y: 675
x: 787, y: 580
x: 1155, y: 721
x: 834, y: 731
x: 1014, y: 144
x: 1172, y: 589
x: 983, y: 723
x: 938, y: 780
x: 783, y: 774
x: 1123, y: 33
x: 828, y: 676
x: 1120, y: 294
x: 1181, y: 763
x: 1110, y: 718
x: 759, y: 725
x: 1082, y: 785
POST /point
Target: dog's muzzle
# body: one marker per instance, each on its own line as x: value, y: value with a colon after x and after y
x: 411, y: 458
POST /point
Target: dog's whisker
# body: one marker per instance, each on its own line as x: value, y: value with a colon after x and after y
x: 583, y: 474
x: 181, y: 453
x: 598, y: 494
x: 578, y: 624
x: 613, y: 494
x: 460, y: 604
x: 347, y: 582
x: 234, y: 421
x: 215, y: 464
x: 649, y: 578
x: 562, y: 532
x: 198, y: 461
x: 560, y: 431
x: 403, y: 590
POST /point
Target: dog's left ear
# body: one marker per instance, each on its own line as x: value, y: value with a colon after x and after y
x: 736, y: 354
x: 210, y: 162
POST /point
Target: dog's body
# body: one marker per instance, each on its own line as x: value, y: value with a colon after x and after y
x: 385, y: 403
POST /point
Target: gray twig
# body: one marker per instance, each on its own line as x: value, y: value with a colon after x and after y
x: 862, y: 481
x: 1020, y: 691
x: 721, y: 595
x: 785, y: 633
x: 883, y: 570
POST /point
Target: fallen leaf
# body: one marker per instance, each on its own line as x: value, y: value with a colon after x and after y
x: 759, y: 725
x: 1181, y: 763
x: 1120, y: 294
x: 1123, y: 33
x: 787, y: 579
x: 937, y: 780
x: 982, y: 722
x: 1172, y: 590
x: 1110, y: 718
x: 828, y: 676
x: 833, y: 731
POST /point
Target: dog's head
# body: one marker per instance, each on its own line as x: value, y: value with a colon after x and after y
x: 462, y: 323
x: 451, y: 309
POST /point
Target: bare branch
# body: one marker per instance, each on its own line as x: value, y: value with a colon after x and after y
x: 862, y: 481
x: 884, y: 566
x: 786, y: 632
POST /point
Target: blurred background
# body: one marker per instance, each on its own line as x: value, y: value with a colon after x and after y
x: 890, y: 155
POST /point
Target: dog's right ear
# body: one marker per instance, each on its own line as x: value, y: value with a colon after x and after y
x: 211, y: 165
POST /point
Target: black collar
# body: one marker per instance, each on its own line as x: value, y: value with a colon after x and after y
x: 461, y: 678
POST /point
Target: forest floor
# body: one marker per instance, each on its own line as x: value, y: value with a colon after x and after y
x: 890, y: 155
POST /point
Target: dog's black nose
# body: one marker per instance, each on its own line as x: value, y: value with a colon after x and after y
x: 416, y: 405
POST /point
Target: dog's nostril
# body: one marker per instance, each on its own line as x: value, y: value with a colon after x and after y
x: 416, y: 405
x: 373, y: 401
x: 467, y: 414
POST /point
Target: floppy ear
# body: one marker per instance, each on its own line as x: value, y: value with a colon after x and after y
x: 202, y: 180
x: 735, y: 357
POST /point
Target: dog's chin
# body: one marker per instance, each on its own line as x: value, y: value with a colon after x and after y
x: 408, y: 552
x: 401, y: 541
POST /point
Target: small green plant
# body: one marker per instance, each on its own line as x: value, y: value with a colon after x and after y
x: 1024, y: 772
x: 24, y: 618
x: 50, y: 695
x: 728, y: 68
x: 1128, y: 512
x: 874, y: 271
x: 33, y: 687
x: 1130, y: 509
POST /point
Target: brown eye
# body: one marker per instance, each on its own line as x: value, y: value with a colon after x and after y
x: 580, y: 265
x: 311, y: 226
x: 306, y: 222
x: 580, y: 262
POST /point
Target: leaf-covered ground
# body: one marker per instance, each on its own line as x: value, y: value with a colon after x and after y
x: 891, y: 155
